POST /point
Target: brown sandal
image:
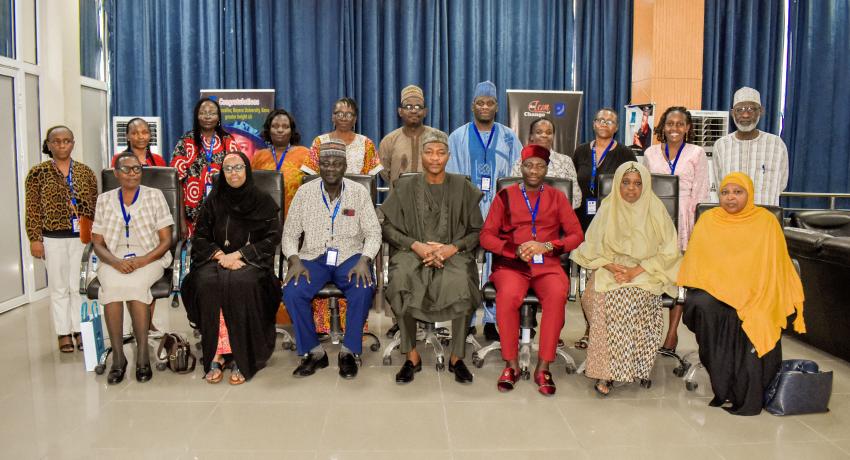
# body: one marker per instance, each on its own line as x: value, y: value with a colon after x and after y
x: 236, y: 377
x: 211, y: 376
x: 78, y: 337
x: 66, y: 344
x: 582, y: 343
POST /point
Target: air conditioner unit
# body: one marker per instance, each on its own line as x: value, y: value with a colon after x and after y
x: 119, y: 134
x: 709, y: 125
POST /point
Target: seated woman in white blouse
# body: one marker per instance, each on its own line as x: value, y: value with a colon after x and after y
x: 131, y: 235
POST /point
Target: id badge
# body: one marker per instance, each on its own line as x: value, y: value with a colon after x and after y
x: 537, y: 259
x: 591, y: 206
x: 485, y: 183
x: 75, y: 224
x: 207, y: 190
x: 129, y: 256
x: 332, y: 256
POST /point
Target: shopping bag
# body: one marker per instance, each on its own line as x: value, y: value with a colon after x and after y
x: 91, y: 329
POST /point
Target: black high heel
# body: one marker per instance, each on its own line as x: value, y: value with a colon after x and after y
x: 116, y: 376
x: 144, y: 373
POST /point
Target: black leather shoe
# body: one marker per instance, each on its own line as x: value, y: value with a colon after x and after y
x: 144, y: 373
x: 391, y: 331
x: 347, y: 366
x: 462, y: 374
x: 490, y: 332
x: 309, y: 364
x: 116, y: 376
x: 405, y: 375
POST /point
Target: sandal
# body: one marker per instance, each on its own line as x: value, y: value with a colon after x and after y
x: 582, y: 343
x: 545, y: 384
x: 236, y: 377
x: 603, y: 387
x: 78, y: 337
x: 508, y: 379
x: 212, y: 376
x: 66, y: 344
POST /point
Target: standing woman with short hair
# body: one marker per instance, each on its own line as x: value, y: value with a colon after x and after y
x: 60, y: 193
x: 198, y: 156
x: 285, y: 153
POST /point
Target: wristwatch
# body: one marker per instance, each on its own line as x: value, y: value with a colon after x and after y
x: 549, y: 246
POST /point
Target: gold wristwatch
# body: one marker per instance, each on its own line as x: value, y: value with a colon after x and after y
x: 549, y: 246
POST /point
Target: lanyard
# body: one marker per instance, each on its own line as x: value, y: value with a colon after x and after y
x: 676, y: 161
x: 279, y: 163
x: 210, y: 154
x: 593, y: 162
x: 532, y: 211
x: 489, y: 139
x: 124, y: 212
x: 336, y: 208
x: 70, y: 181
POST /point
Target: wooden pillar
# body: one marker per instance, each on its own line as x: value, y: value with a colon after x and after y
x: 667, y: 53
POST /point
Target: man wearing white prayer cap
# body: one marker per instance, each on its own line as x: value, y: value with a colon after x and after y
x: 760, y: 155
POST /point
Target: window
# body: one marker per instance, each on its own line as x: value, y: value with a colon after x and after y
x: 92, y: 60
x: 7, y: 28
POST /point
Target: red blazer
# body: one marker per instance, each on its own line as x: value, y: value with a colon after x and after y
x: 508, y: 225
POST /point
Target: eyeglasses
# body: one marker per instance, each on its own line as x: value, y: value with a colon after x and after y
x: 413, y: 107
x: 128, y: 169
x: 344, y: 115
x: 62, y: 142
x: 746, y: 109
x: 234, y: 168
x: 603, y: 122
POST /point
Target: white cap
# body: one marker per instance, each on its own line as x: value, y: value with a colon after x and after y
x: 746, y: 94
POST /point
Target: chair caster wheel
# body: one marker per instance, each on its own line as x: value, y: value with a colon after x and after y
x: 198, y: 346
x: 477, y: 362
x: 524, y: 374
x: 691, y: 386
x: 571, y: 369
x: 646, y: 383
x: 440, y: 367
x: 375, y: 347
x: 196, y: 333
x: 160, y: 366
x: 99, y: 369
x: 285, y: 345
x: 686, y: 366
x: 679, y: 371
x: 388, y: 361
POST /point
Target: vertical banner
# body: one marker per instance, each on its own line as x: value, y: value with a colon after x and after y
x: 640, y: 119
x: 243, y: 112
x: 562, y: 107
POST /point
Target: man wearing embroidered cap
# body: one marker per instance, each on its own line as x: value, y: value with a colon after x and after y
x: 341, y: 237
x: 529, y: 226
x: 431, y: 222
x: 484, y: 150
x: 400, y: 149
x: 762, y: 156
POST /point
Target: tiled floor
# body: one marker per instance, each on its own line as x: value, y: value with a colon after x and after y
x: 51, y: 408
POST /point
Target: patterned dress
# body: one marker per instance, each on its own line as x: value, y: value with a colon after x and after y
x: 193, y: 171
x: 361, y: 158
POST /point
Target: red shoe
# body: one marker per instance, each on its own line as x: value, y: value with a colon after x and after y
x: 507, y: 380
x: 545, y: 384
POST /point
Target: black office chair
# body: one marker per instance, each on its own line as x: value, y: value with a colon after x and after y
x: 689, y: 370
x: 530, y: 303
x: 165, y: 180
x: 330, y: 291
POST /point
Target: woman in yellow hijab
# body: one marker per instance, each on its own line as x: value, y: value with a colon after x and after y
x: 742, y: 288
x: 632, y: 247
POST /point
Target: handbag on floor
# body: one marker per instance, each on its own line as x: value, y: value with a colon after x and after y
x: 91, y: 329
x: 176, y: 353
x: 799, y: 388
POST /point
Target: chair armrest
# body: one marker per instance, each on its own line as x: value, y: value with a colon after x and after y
x: 84, y: 267
x: 574, y: 281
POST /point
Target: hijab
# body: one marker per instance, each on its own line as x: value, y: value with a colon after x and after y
x: 246, y: 202
x: 640, y: 233
x: 742, y: 260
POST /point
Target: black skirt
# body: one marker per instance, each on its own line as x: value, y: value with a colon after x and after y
x: 248, y: 298
x: 737, y: 374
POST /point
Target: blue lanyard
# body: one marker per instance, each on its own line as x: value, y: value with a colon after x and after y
x: 279, y: 163
x: 489, y: 139
x: 210, y: 154
x: 676, y: 161
x: 124, y: 212
x: 70, y: 181
x: 336, y: 208
x: 593, y: 162
x: 532, y: 211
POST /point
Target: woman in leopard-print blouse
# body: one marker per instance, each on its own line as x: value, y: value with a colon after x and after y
x: 58, y: 193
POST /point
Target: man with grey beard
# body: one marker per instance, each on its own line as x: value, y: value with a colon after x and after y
x: 760, y: 155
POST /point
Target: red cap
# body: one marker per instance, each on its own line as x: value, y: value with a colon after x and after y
x: 534, y: 150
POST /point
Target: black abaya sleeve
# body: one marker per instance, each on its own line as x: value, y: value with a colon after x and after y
x: 203, y: 241
x: 261, y: 253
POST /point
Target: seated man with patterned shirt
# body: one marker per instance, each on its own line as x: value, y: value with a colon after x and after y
x: 341, y: 237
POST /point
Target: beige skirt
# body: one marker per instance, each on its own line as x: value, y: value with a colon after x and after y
x: 119, y: 287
